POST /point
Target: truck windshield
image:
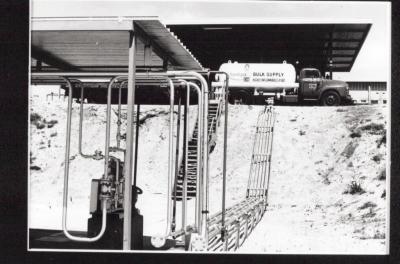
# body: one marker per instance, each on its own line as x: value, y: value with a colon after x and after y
x: 312, y: 74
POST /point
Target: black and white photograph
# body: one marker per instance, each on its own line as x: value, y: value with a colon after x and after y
x: 230, y: 127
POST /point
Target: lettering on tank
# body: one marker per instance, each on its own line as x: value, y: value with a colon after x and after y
x: 268, y: 77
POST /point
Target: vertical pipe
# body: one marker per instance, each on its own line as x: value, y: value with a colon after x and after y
x: 136, y: 144
x: 225, y: 152
x: 205, y: 158
x: 185, y: 152
x: 81, y: 123
x: 129, y: 145
x: 119, y: 118
x: 170, y: 156
x: 66, y: 177
x: 199, y: 145
x: 178, y: 128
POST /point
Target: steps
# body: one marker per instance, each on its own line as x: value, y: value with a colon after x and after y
x: 213, y: 117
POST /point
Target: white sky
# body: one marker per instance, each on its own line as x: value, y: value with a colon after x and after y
x: 373, y: 61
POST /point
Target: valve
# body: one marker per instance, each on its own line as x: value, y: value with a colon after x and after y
x: 106, y: 190
x: 98, y: 155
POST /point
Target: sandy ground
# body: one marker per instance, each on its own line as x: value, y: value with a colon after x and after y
x: 317, y: 153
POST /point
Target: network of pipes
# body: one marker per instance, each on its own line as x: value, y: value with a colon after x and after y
x: 115, y: 222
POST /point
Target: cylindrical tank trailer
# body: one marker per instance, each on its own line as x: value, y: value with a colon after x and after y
x: 248, y: 81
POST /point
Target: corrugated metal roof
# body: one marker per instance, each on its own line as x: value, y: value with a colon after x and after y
x: 325, y: 46
x: 101, y: 44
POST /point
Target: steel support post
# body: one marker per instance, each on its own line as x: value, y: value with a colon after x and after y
x: 127, y: 239
x: 136, y: 144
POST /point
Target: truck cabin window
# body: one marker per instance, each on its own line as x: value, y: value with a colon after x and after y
x: 312, y: 74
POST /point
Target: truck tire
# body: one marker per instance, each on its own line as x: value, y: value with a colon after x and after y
x: 330, y: 98
x: 243, y: 97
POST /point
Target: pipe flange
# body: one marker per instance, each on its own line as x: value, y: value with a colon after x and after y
x: 158, y: 241
x: 198, y: 243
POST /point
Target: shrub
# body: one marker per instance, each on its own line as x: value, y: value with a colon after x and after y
x: 377, y: 158
x: 382, y: 175
x: 367, y: 205
x: 51, y: 123
x: 35, y: 117
x: 354, y: 188
x: 355, y: 134
x: 374, y: 128
x: 382, y: 141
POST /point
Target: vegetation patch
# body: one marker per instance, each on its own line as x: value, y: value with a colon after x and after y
x: 354, y: 188
x: 377, y: 158
x: 36, y: 168
x: 367, y: 205
x: 374, y: 128
x: 382, y: 175
x: 381, y: 141
x: 355, y: 134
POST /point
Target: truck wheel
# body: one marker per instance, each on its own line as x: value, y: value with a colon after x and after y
x: 330, y: 98
x: 244, y: 97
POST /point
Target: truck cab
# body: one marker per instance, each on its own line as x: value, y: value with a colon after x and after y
x: 313, y: 86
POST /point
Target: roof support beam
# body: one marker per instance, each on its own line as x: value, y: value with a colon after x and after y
x: 140, y: 33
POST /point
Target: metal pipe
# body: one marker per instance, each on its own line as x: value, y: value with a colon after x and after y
x: 199, y: 154
x: 186, y: 149
x: 97, y: 155
x: 225, y: 149
x: 66, y: 177
x: 177, y: 164
x: 119, y: 116
x: 203, y: 231
x: 170, y: 157
x: 129, y: 144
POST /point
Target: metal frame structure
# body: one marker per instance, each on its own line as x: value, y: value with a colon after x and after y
x: 201, y: 209
x: 200, y: 234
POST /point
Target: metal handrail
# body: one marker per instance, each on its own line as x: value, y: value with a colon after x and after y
x: 204, y: 184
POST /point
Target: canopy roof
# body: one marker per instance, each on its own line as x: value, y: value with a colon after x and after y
x: 312, y: 45
x: 102, y: 45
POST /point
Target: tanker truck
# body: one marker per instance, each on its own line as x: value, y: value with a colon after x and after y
x: 253, y: 81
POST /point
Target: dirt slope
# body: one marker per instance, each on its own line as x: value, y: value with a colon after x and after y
x: 327, y: 190
x: 318, y: 153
